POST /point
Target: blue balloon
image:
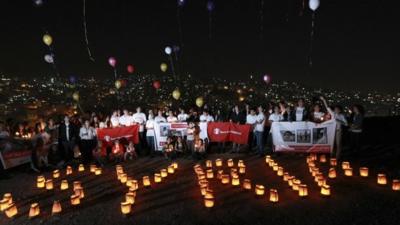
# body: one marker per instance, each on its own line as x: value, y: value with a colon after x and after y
x: 72, y: 79
x: 181, y: 3
x: 210, y: 6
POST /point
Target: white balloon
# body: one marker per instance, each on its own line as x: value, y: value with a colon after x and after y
x: 168, y: 50
x: 313, y: 4
x: 49, y: 58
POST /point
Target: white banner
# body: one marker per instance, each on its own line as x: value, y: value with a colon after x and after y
x: 163, y: 130
x: 303, y: 136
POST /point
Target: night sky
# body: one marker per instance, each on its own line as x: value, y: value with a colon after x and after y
x: 356, y: 43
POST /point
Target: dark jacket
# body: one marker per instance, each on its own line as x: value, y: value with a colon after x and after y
x: 238, y: 117
x: 62, y: 132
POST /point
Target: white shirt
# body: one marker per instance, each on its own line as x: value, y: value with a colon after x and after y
x: 114, y: 121
x: 299, y: 113
x: 150, y: 128
x: 140, y: 118
x: 319, y: 116
x: 275, y: 117
x: 172, y: 119
x: 208, y: 118
x: 252, y: 120
x: 160, y: 119
x: 67, y: 131
x: 260, y: 122
x: 190, y: 134
x: 126, y: 120
x: 87, y: 133
x: 183, y: 117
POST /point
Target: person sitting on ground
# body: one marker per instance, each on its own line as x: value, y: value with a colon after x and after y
x: 130, y: 152
x: 169, y: 149
x: 199, y: 150
x: 117, y: 151
x: 180, y: 146
x: 99, y: 153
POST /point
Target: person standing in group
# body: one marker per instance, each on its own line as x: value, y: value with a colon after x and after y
x: 251, y: 119
x: 171, y: 117
x: 206, y: 117
x: 126, y: 119
x: 276, y: 116
x: 160, y: 118
x: 87, y: 135
x: 190, y: 134
x: 115, y: 118
x: 317, y: 116
x: 259, y: 131
x: 67, y: 138
x: 356, y: 128
x: 300, y: 111
x: 237, y: 117
x: 182, y: 117
x: 341, y: 121
x: 150, y: 133
x: 140, y: 119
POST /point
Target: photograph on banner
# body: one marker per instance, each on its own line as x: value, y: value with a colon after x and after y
x: 303, y: 136
x: 164, y: 130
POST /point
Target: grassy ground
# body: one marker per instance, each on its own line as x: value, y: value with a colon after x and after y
x: 177, y: 200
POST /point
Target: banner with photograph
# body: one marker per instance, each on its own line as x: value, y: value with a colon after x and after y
x: 131, y: 133
x: 163, y: 130
x: 303, y: 136
x: 14, y: 152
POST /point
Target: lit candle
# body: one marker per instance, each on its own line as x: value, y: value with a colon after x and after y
x: 119, y: 168
x: 325, y: 190
x: 233, y: 172
x: 225, y: 179
x: 209, y: 164
x: 364, y: 171
x: 275, y: 167
x: 247, y: 184
x: 333, y: 162
x: 69, y: 170
x: 259, y: 190
x: 34, y: 210
x: 231, y: 163
x: 175, y: 165
x: 146, y: 181
x: 235, y: 180
x: 93, y: 168
x: 56, y: 208
x: 267, y: 159
x: 321, y: 181
x: 322, y: 159
x: 124, y: 178
x: 157, y: 178
x: 242, y: 169
x: 219, y: 174
x: 273, y: 195
x: 49, y: 184
x: 164, y: 173
x: 171, y: 170
x: 134, y: 186
x: 332, y: 173
x: 126, y: 208
x: 64, y: 185
x: 290, y: 180
x: 203, y: 189
x: 311, y: 164
x: 75, y: 200
x: 130, y: 197
x: 286, y: 176
x: 241, y: 163
x: 56, y: 174
x: 210, y: 174
x: 218, y: 162
x: 40, y: 182
x: 81, y: 168
x: 318, y: 176
x: 4, y: 204
x: 296, y: 184
x: 11, y: 210
x: 345, y: 165
x: 8, y: 197
x: 303, y: 191
x: 79, y: 192
x: 396, y: 185
x: 381, y: 179
x: 98, y: 171
x: 77, y: 184
x: 348, y: 172
x: 280, y: 171
x: 209, y: 202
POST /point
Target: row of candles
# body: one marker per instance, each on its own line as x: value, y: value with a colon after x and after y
x: 7, y: 205
x: 348, y: 170
x: 318, y: 176
x: 133, y: 185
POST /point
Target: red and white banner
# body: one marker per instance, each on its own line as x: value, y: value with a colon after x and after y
x: 131, y: 133
x: 164, y: 130
x: 14, y: 152
x: 303, y: 136
x: 224, y: 132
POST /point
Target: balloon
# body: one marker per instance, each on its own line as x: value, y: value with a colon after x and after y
x: 163, y: 67
x: 38, y: 2
x: 168, y: 50
x: 130, y: 69
x: 176, y: 94
x: 210, y: 6
x: 75, y: 96
x: 199, y: 101
x: 266, y: 79
x: 48, y: 58
x: 181, y: 3
x: 176, y: 48
x: 72, y: 79
x: 156, y: 84
x: 47, y: 39
x: 313, y: 4
x: 118, y: 84
x: 112, y: 61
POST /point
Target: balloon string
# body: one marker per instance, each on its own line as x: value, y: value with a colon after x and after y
x: 86, y: 33
x: 310, y: 62
x: 262, y: 19
x: 172, y: 66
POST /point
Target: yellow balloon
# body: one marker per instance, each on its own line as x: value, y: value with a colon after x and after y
x: 118, y: 84
x: 75, y: 96
x: 47, y: 39
x: 176, y: 94
x: 163, y: 67
x: 199, y: 101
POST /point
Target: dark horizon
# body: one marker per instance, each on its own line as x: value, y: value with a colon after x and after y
x: 355, y: 45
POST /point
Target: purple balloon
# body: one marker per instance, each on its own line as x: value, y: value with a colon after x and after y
x: 72, y: 79
x: 112, y: 61
x: 181, y: 3
x: 210, y: 6
x: 176, y: 48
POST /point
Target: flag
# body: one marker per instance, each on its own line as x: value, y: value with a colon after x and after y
x: 131, y: 133
x: 223, y: 132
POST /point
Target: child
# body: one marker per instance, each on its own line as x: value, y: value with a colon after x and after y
x: 180, y: 146
x: 169, y: 150
x: 130, y: 152
x: 117, y: 151
x: 99, y: 153
x: 199, y: 149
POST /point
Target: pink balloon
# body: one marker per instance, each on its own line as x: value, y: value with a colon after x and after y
x: 112, y: 61
x: 267, y: 79
x: 130, y: 69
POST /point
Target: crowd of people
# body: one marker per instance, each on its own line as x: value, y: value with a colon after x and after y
x: 73, y: 139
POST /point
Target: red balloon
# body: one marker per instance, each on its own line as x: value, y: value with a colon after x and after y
x: 156, y: 84
x: 130, y: 69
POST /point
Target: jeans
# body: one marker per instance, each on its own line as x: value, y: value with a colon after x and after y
x: 260, y: 141
x: 150, y: 144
